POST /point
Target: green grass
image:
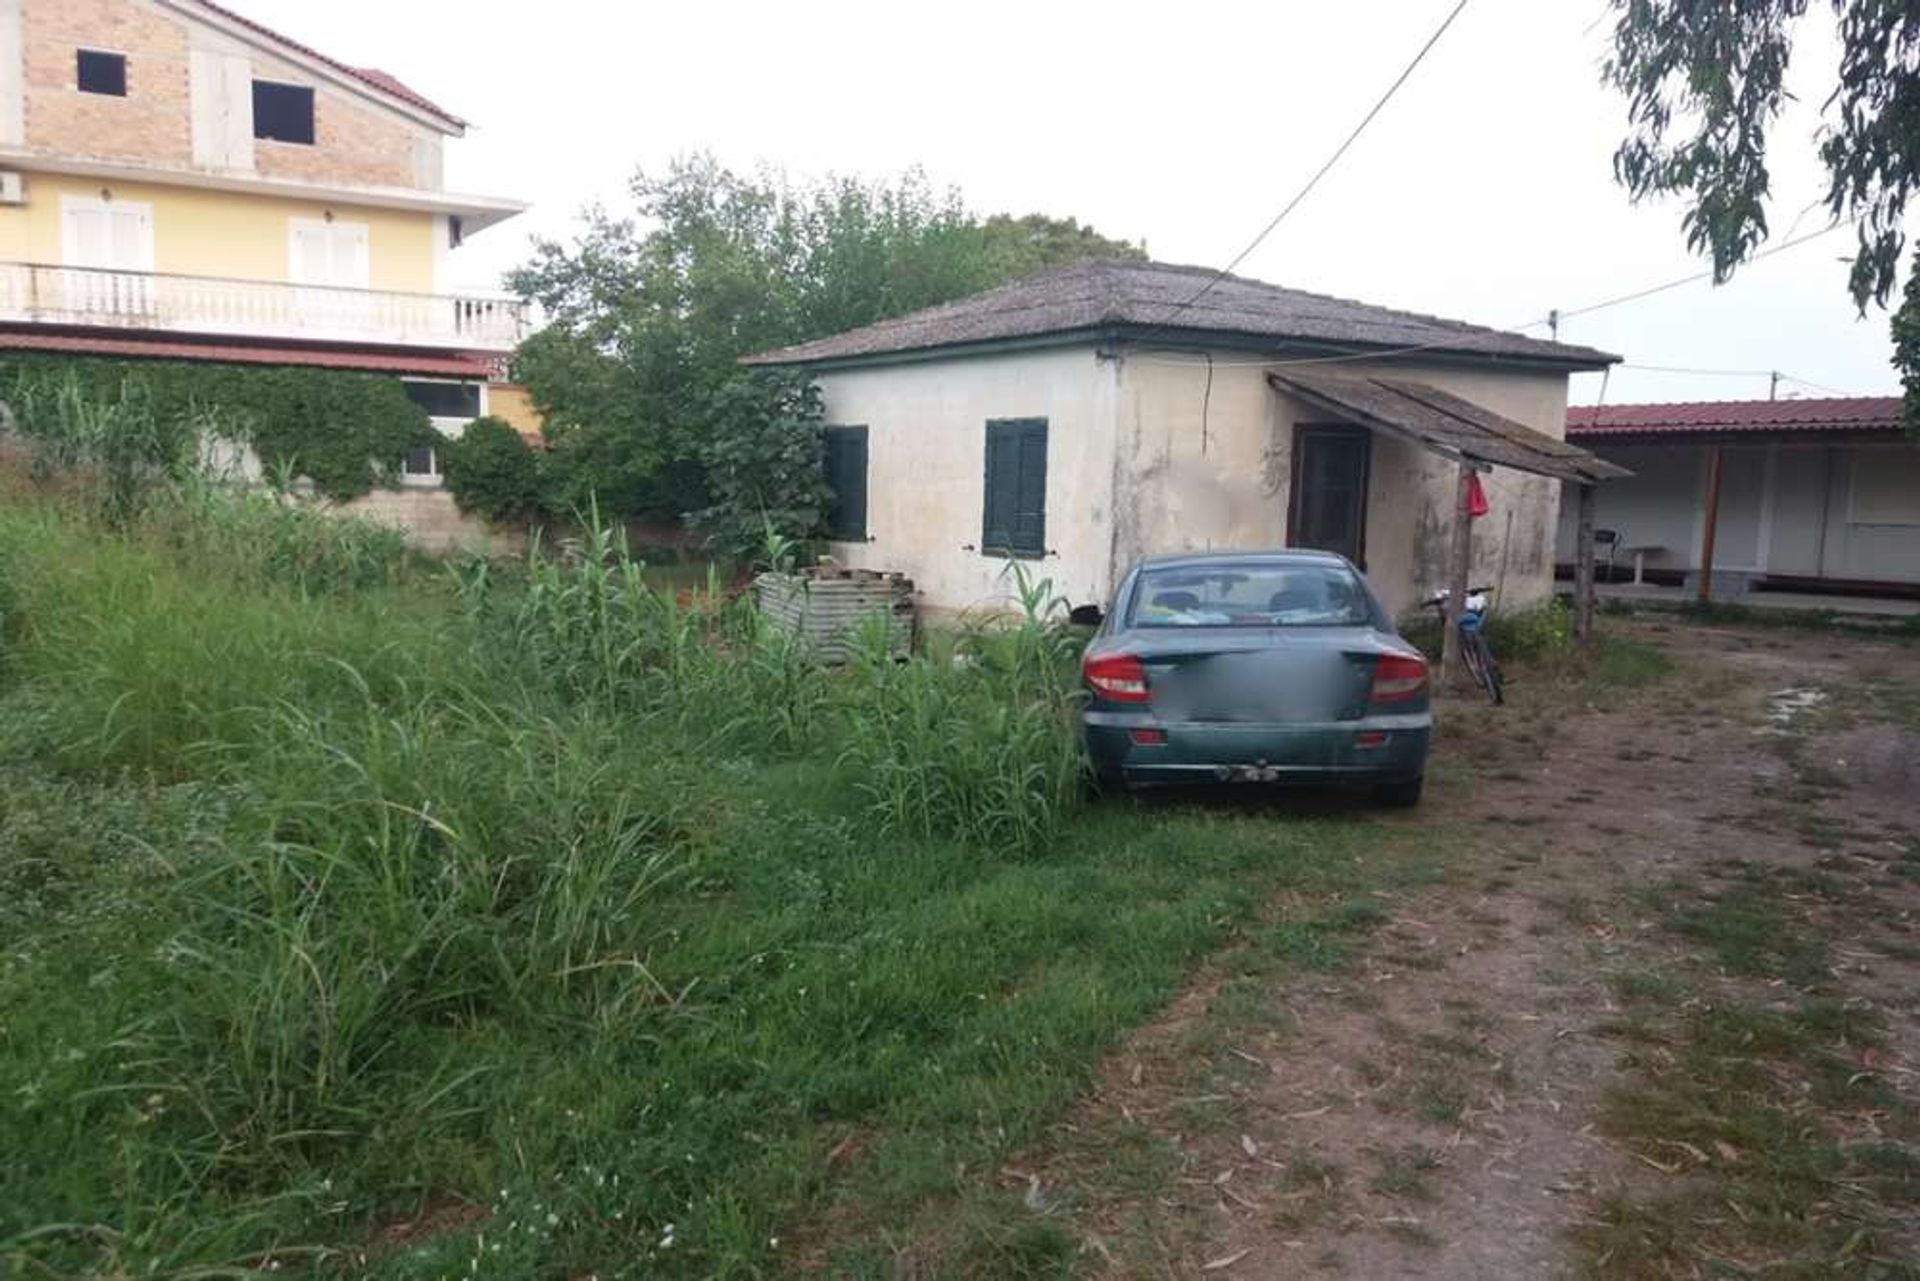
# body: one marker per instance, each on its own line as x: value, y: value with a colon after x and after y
x: 1752, y: 1106
x: 340, y: 893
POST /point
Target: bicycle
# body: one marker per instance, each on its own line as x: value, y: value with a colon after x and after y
x: 1474, y: 650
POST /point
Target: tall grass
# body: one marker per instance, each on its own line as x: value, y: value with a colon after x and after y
x: 333, y: 888
x: 975, y: 742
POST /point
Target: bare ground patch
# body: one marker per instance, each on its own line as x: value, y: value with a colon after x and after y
x: 1660, y: 1018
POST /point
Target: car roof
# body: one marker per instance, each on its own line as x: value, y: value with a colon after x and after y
x: 1279, y: 556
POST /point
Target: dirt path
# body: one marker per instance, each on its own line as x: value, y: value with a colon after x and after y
x: 1476, y: 1090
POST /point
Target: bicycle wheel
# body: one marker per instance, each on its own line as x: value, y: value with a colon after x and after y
x: 1486, y: 672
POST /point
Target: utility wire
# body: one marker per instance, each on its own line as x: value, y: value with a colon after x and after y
x: 1324, y: 169
x: 1535, y: 323
x: 1805, y: 382
x: 1690, y: 369
x: 1768, y: 252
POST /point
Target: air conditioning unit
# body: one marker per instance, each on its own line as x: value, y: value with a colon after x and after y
x: 13, y: 188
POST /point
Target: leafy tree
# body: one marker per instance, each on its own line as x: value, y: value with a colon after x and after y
x: 636, y: 366
x: 763, y: 461
x: 1705, y: 83
x: 492, y: 472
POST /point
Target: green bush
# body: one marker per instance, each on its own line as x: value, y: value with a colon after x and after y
x: 977, y: 744
x: 1537, y: 632
x: 766, y: 467
x: 341, y: 429
x: 493, y: 473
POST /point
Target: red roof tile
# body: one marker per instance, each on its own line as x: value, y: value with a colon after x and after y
x: 1695, y: 417
x: 432, y: 363
x: 380, y: 80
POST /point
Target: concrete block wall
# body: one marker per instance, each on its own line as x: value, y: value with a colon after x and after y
x: 432, y: 522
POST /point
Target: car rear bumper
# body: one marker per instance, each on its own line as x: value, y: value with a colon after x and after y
x: 1381, y: 749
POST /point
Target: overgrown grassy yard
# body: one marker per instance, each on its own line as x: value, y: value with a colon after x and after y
x: 370, y: 916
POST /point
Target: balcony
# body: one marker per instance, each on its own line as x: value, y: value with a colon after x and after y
x: 140, y: 300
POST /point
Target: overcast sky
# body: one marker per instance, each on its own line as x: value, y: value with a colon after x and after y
x: 1483, y: 192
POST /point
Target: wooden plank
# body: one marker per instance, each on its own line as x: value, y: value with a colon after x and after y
x: 1583, y: 567
x: 1712, y: 525
x: 1457, y: 577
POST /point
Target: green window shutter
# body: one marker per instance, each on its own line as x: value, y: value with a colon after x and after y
x: 847, y: 478
x: 1030, y: 502
x: 1014, y: 520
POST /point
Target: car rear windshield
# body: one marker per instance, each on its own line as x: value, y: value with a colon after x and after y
x: 1251, y: 596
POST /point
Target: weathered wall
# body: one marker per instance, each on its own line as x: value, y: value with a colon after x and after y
x: 431, y: 521
x: 151, y: 123
x: 1845, y: 511
x: 926, y: 442
x: 189, y: 100
x: 513, y: 404
x: 355, y: 143
x: 1210, y: 466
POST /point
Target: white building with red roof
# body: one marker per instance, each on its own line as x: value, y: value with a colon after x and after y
x: 1818, y: 495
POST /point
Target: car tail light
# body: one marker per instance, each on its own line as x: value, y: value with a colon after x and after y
x: 1118, y: 678
x: 1148, y: 736
x: 1399, y: 678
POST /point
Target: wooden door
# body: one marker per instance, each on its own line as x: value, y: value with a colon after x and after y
x: 1327, y: 507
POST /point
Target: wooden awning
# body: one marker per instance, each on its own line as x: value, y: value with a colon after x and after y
x: 1445, y: 423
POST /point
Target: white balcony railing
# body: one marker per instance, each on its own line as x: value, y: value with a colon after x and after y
x: 216, y: 305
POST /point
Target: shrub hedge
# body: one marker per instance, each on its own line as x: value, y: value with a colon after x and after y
x: 341, y: 429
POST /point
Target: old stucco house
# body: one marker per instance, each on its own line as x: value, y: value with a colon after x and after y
x: 1102, y: 411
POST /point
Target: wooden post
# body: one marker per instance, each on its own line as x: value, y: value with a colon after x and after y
x: 1457, y: 578
x: 1712, y: 525
x: 1583, y: 568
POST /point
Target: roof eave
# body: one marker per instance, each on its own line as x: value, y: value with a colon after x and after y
x: 260, y: 36
x: 1577, y: 359
x: 476, y: 212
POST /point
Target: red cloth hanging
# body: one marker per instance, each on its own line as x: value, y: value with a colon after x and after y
x: 1477, y: 504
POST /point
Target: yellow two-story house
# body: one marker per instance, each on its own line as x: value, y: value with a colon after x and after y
x: 179, y: 182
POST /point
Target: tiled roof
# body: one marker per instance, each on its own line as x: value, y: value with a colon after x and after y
x: 1143, y: 299
x: 380, y: 80
x: 1841, y: 413
x: 432, y: 363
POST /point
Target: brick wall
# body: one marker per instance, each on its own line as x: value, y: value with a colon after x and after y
x: 356, y: 142
x: 355, y: 145
x: 152, y: 123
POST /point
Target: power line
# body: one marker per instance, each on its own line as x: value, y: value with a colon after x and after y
x: 1636, y: 295
x: 1689, y: 369
x: 1537, y: 322
x: 1807, y: 382
x: 1322, y: 172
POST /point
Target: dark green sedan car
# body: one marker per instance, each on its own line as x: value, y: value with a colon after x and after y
x: 1267, y: 667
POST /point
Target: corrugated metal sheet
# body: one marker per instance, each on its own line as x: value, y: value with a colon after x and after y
x: 1446, y: 424
x: 829, y: 607
x: 1700, y: 417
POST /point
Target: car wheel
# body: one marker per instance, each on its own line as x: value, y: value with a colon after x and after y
x: 1400, y: 795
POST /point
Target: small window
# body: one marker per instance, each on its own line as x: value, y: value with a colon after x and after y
x: 445, y: 400
x: 283, y: 113
x: 420, y: 460
x: 1015, y: 519
x: 102, y: 73
x: 847, y: 478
